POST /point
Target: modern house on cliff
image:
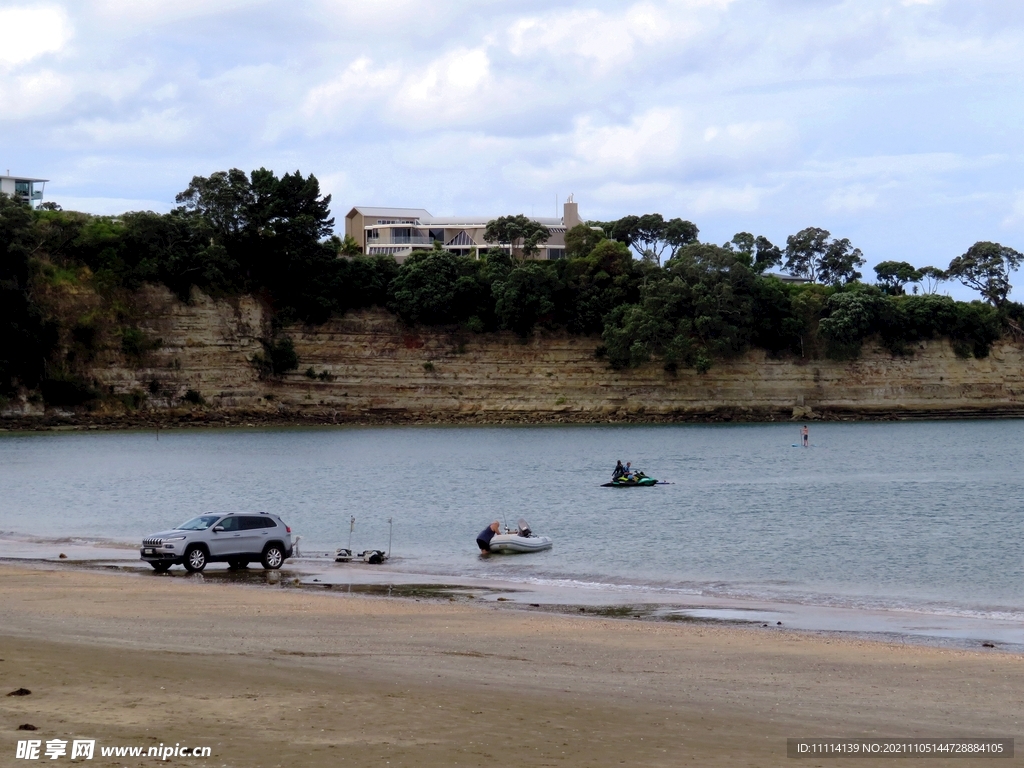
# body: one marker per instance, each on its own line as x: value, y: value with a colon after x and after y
x: 20, y: 188
x: 400, y: 231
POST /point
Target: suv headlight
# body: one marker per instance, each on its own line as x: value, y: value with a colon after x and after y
x: 175, y: 538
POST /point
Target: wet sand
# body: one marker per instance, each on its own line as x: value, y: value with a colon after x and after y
x: 272, y: 677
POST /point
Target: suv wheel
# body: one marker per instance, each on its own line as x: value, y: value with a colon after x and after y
x: 161, y: 567
x: 195, y: 559
x: 273, y: 557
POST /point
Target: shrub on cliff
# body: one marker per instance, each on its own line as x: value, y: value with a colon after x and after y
x: 898, y: 321
x: 525, y: 297
x: 439, y: 288
x: 26, y: 336
x: 278, y: 357
x: 365, y: 281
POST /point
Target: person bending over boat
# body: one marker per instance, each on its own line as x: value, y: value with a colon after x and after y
x: 484, y: 539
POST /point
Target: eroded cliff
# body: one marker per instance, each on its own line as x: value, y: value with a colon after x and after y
x: 369, y: 367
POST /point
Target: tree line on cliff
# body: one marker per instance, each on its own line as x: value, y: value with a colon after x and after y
x: 648, y: 286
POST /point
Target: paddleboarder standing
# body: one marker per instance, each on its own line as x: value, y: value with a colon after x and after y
x: 805, y: 436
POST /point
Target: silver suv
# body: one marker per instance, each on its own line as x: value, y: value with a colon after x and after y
x: 234, y: 538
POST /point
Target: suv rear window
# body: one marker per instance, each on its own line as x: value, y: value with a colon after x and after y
x: 250, y: 523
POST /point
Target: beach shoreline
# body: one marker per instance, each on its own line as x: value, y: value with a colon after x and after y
x: 316, y: 571
x: 68, y: 421
x: 280, y: 677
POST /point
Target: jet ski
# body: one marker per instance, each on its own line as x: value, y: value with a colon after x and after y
x: 634, y: 480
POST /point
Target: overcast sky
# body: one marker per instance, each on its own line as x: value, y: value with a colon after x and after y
x: 896, y: 123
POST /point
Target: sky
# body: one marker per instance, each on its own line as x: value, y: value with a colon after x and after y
x: 894, y: 123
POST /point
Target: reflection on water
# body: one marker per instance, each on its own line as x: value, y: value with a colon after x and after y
x: 925, y: 515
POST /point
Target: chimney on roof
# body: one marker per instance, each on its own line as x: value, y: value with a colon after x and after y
x: 570, y: 214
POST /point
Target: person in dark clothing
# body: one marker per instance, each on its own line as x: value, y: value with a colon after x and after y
x: 619, y: 470
x: 484, y: 539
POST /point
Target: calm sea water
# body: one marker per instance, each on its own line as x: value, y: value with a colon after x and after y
x: 927, y: 515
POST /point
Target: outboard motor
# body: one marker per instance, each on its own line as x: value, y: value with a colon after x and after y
x: 524, y: 528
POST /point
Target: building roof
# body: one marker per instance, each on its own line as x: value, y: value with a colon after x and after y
x: 22, y: 178
x: 425, y: 219
x: 368, y: 210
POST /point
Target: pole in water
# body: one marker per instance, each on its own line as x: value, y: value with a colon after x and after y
x: 389, y: 538
x: 351, y: 527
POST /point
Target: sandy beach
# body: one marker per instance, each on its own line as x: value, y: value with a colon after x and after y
x: 272, y: 677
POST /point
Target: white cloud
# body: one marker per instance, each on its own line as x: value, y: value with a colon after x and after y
x: 760, y: 116
x: 33, y: 95
x: 716, y: 198
x: 649, y: 140
x: 445, y: 84
x: 1016, y: 215
x: 852, y: 199
x: 26, y: 33
x: 152, y: 129
x: 147, y: 12
x: 605, y: 40
x: 658, y: 144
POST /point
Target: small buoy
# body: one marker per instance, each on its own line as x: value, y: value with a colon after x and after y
x: 20, y: 692
x: 764, y: 625
x: 27, y: 727
x: 779, y: 623
x: 62, y: 556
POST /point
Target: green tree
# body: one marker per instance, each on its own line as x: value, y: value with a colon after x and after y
x: 365, y: 281
x: 893, y: 276
x: 812, y: 254
x: 851, y: 318
x: 581, y: 240
x: 519, y: 233
x: 277, y: 232
x: 758, y: 252
x: 804, y: 252
x: 595, y: 285
x: 525, y: 297
x: 435, y: 288
x: 651, y: 236
x: 658, y: 325
x: 26, y: 336
x: 839, y: 264
x: 986, y: 268
x: 932, y: 276
x: 349, y: 246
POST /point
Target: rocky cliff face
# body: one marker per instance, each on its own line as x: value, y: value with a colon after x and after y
x: 368, y: 367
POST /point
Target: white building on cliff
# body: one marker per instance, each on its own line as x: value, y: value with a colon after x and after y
x: 400, y: 231
x: 22, y: 188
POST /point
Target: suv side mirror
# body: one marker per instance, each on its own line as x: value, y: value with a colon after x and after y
x: 218, y: 528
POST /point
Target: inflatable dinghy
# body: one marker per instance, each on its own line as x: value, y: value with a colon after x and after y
x: 520, y: 540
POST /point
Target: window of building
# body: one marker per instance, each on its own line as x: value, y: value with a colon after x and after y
x: 461, y: 239
x: 556, y: 253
